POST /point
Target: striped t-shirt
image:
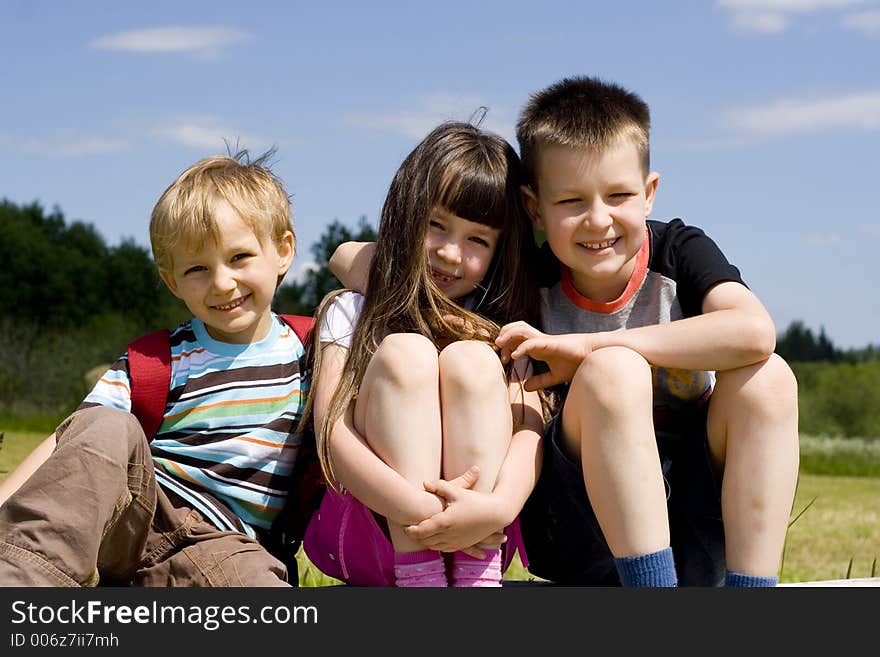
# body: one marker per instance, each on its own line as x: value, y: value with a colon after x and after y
x: 228, y: 427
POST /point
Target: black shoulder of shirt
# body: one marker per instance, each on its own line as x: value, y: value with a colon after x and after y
x: 687, y: 255
x: 667, y: 238
x: 547, y: 269
x: 673, y: 229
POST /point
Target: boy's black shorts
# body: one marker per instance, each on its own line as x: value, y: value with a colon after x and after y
x: 564, y: 543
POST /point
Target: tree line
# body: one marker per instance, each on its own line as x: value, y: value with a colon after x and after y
x: 69, y: 302
x: 798, y: 344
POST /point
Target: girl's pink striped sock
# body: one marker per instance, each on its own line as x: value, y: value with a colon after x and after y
x: 470, y: 572
x: 422, y: 568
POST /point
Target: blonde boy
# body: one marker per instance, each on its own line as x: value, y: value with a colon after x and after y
x: 676, y: 413
x: 223, y: 456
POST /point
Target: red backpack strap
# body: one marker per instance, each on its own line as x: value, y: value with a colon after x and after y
x: 308, y: 485
x: 301, y: 325
x: 149, y: 368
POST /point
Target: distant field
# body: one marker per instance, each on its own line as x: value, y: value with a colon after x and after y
x: 839, y: 532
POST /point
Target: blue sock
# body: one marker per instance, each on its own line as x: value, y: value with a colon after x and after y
x: 740, y: 580
x: 655, y: 569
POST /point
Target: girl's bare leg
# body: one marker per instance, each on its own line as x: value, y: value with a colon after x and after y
x: 477, y: 430
x: 477, y: 422
x: 398, y: 412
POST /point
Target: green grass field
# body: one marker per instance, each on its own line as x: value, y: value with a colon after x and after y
x: 835, y: 532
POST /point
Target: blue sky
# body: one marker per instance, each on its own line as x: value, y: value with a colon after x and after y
x: 766, y: 113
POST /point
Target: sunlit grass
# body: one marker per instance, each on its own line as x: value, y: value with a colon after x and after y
x: 15, y: 446
x: 837, y: 537
x: 842, y: 524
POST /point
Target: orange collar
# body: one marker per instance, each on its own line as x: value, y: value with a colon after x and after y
x: 635, y: 282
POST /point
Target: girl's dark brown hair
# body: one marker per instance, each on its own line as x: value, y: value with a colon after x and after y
x: 469, y: 173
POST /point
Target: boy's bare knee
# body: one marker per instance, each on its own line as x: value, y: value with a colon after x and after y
x: 470, y: 365
x: 781, y: 375
x: 613, y: 374
x: 406, y: 359
x: 769, y: 384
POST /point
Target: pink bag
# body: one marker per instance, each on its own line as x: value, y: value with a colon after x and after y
x: 344, y: 541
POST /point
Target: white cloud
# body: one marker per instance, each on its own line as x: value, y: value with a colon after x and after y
x: 822, y: 240
x: 766, y: 23
x: 72, y: 146
x: 865, y: 21
x: 774, y: 16
x: 854, y: 111
x: 434, y: 110
x: 204, y: 40
x: 299, y: 275
x: 409, y: 124
x: 794, y: 6
x: 208, y: 134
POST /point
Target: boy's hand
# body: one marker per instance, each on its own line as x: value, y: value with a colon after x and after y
x: 562, y: 353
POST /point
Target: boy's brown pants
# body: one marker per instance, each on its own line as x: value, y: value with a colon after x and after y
x: 93, y: 514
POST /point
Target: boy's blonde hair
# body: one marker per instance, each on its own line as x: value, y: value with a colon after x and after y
x: 582, y: 112
x: 184, y: 213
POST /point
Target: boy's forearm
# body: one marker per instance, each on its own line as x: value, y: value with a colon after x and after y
x: 733, y: 331
x: 719, y: 340
x: 350, y: 263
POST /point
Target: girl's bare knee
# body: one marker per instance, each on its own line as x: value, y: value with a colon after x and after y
x: 470, y: 366
x: 406, y: 359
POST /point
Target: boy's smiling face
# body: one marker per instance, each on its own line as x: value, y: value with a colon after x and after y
x: 592, y: 206
x: 229, y: 284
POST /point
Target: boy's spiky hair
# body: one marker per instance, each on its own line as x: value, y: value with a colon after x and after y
x: 184, y: 214
x: 582, y: 112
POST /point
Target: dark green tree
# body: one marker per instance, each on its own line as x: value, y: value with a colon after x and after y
x: 65, y: 276
x: 68, y: 302
x: 797, y: 344
x: 303, y: 297
x: 824, y: 348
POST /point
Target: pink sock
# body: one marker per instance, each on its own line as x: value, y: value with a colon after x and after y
x: 470, y: 572
x: 422, y: 568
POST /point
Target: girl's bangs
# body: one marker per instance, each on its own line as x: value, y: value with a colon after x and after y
x: 476, y: 195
